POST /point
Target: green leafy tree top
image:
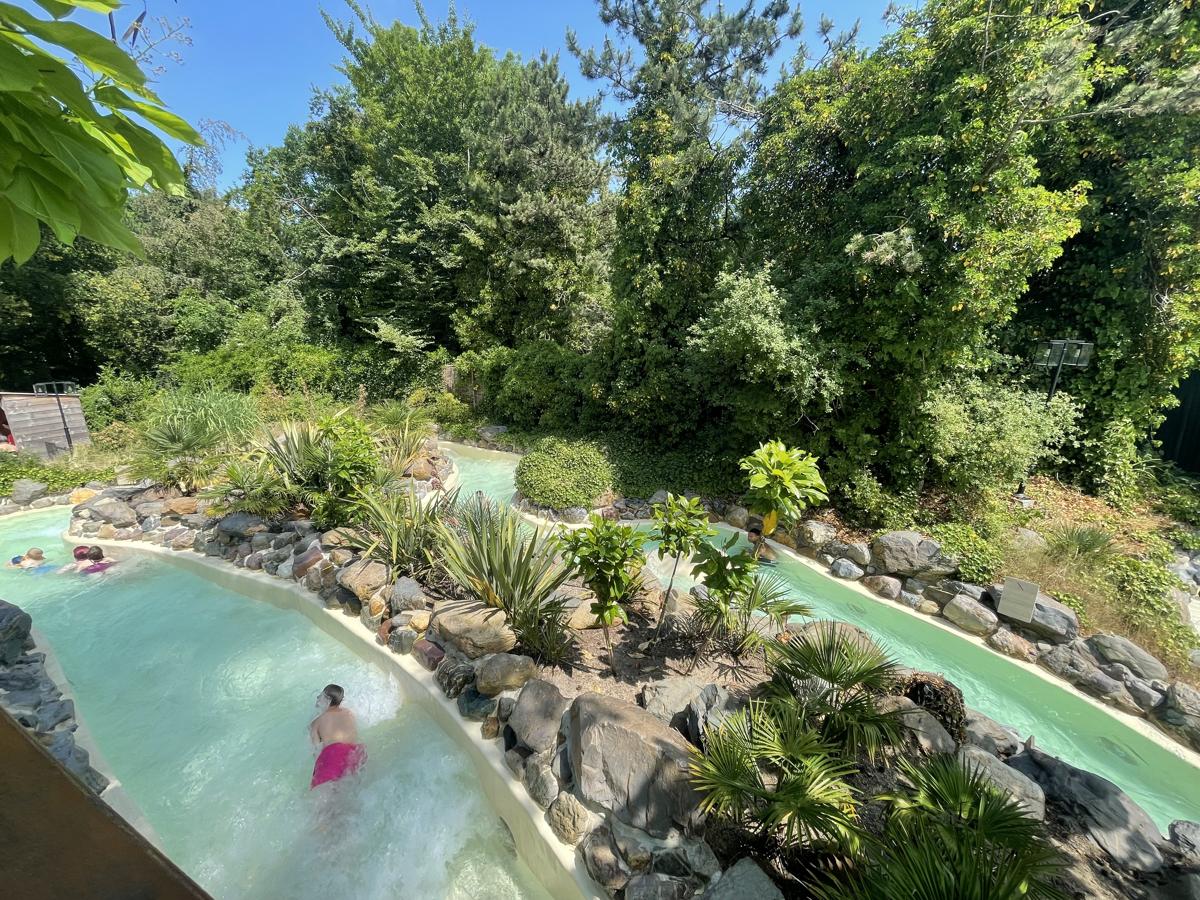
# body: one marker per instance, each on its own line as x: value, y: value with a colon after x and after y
x: 783, y: 483
x: 608, y: 556
x: 680, y: 525
x: 69, y: 152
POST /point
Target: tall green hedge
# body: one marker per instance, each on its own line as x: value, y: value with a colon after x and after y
x: 560, y: 473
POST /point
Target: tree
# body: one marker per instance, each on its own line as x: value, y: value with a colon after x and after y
x: 680, y: 527
x: 73, y: 152
x: 689, y: 76
x: 783, y: 483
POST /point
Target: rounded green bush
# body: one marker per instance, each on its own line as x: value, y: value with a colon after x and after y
x: 559, y: 473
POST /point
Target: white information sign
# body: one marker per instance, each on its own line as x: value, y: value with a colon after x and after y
x: 1017, y: 599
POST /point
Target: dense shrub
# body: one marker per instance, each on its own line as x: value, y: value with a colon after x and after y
x: 866, y: 502
x: 58, y: 477
x: 115, y: 397
x: 1144, y: 586
x: 979, y: 559
x: 560, y: 473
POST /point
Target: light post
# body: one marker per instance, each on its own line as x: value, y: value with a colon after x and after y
x: 58, y: 388
x: 1056, y: 355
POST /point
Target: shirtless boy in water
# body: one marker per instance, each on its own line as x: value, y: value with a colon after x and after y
x: 336, y: 733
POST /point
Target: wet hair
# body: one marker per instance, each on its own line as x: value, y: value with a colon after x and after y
x: 335, y: 694
x: 95, y: 554
x: 754, y: 530
x: 80, y: 553
x: 35, y: 553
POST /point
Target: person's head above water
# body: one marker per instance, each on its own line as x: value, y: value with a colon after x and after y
x: 35, y: 553
x: 80, y: 553
x: 334, y: 694
x: 95, y: 554
x: 753, y: 534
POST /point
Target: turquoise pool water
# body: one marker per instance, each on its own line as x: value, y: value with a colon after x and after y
x: 1063, y: 723
x: 489, y: 471
x: 200, y: 699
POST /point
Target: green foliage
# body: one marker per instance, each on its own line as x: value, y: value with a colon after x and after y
x: 806, y: 801
x: 398, y: 530
x: 868, y: 503
x: 116, y: 436
x: 184, y: 431
x: 250, y: 486
x: 495, y: 559
x: 1145, y: 590
x: 783, y: 483
x: 1087, y: 545
x: 73, y: 151
x: 954, y: 835
x: 837, y: 680
x: 560, y: 473
x: 740, y: 608
x: 680, y: 527
x: 984, y: 435
x: 115, y: 397
x: 58, y: 477
x: 979, y: 559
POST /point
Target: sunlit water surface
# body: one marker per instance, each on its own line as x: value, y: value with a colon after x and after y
x: 200, y: 699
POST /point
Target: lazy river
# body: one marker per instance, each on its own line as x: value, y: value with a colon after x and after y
x: 1063, y: 723
x: 199, y: 699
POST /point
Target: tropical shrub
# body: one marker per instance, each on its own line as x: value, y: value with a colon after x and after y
x: 495, y: 559
x: 1090, y: 546
x: 609, y: 558
x: 979, y: 559
x: 560, y: 473
x: 251, y: 486
x: 680, y: 526
x: 783, y: 483
x: 115, y: 397
x: 398, y: 530
x: 952, y: 835
x: 184, y: 432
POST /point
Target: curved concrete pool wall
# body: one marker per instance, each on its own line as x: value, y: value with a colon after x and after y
x: 554, y: 864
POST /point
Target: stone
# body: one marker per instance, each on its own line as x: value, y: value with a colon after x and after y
x: 1026, y: 540
x: 490, y: 729
x: 1180, y: 712
x: 668, y: 699
x: 657, y: 887
x: 113, y: 511
x: 928, y: 608
x: 626, y: 760
x: 505, y: 707
x: 911, y: 553
x: 401, y: 640
x: 574, y: 515
x: 254, y: 561
x: 491, y: 432
x: 737, y: 516
x: 503, y: 672
x: 15, y: 625
x: 603, y: 863
x: 540, y: 783
x: 538, y: 714
x: 241, y: 525
x: 107, y: 532
x: 42, y: 503
x: 911, y: 600
x: 337, y: 537
x: 427, y: 653
x: 311, y: 557
x: 927, y: 731
x: 181, y: 506
x: 1185, y: 840
x: 80, y: 495
x: 407, y: 594
x: 989, y: 734
x: 883, y: 585
x: 1116, y: 824
x: 948, y: 587
x: 569, y: 819
x: 363, y: 578
x: 261, y: 540
x: 1075, y: 663
x: 1052, y: 621
x: 184, y: 539
x: 844, y: 568
x: 1012, y: 644
x: 475, y: 706
x: 708, y: 709
x: 1006, y: 779
x: 970, y: 615
x: 1113, y: 648
x: 453, y: 676
x: 473, y: 628
x: 815, y: 534
x: 744, y: 880
x: 26, y: 490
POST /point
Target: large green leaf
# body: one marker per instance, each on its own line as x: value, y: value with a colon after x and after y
x: 156, y: 115
x: 93, y: 50
x: 62, y: 8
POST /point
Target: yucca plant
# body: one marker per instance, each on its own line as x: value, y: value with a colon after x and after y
x: 838, y: 681
x: 398, y: 530
x: 402, y: 433
x: 680, y: 527
x: 251, y: 486
x: 1088, y: 545
x: 765, y: 769
x: 954, y: 835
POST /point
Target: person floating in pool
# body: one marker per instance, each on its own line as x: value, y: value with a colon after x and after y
x: 95, y: 561
x: 335, y: 732
x: 766, y: 555
x: 33, y: 558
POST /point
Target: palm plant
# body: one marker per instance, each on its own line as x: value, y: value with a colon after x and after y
x: 492, y: 556
x: 251, y: 486
x: 178, y: 452
x: 680, y: 526
x: 954, y: 835
x: 764, y: 768
x: 838, y: 681
x: 1088, y: 545
x: 398, y: 530
x: 608, y: 557
x: 783, y: 483
x: 403, y: 433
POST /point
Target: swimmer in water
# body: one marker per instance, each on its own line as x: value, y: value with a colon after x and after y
x: 81, y: 562
x: 33, y: 558
x: 335, y: 732
x: 96, y: 561
x: 766, y: 555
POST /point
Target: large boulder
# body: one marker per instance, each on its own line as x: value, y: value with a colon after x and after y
x: 1112, y: 648
x: 537, y: 715
x: 813, y: 630
x: 26, y: 490
x: 884, y: 585
x: 569, y: 819
x: 1097, y: 807
x: 1012, y: 644
x: 989, y: 734
x: 364, y: 578
x: 116, y: 512
x: 1180, y: 711
x: 744, y: 880
x: 1006, y: 779
x: 815, y: 534
x: 1052, y: 621
x: 1075, y: 663
x: 241, y: 525
x: 473, y: 628
x: 970, y: 615
x: 503, y: 672
x: 911, y: 553
x: 15, y: 625
x: 926, y: 731
x: 626, y: 760
x: 667, y: 700
x: 845, y: 568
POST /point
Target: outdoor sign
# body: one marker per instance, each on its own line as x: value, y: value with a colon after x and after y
x: 1017, y: 599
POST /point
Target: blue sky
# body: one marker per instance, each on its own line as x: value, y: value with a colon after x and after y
x: 254, y: 63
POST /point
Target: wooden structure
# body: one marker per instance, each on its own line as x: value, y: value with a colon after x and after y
x: 39, y: 425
